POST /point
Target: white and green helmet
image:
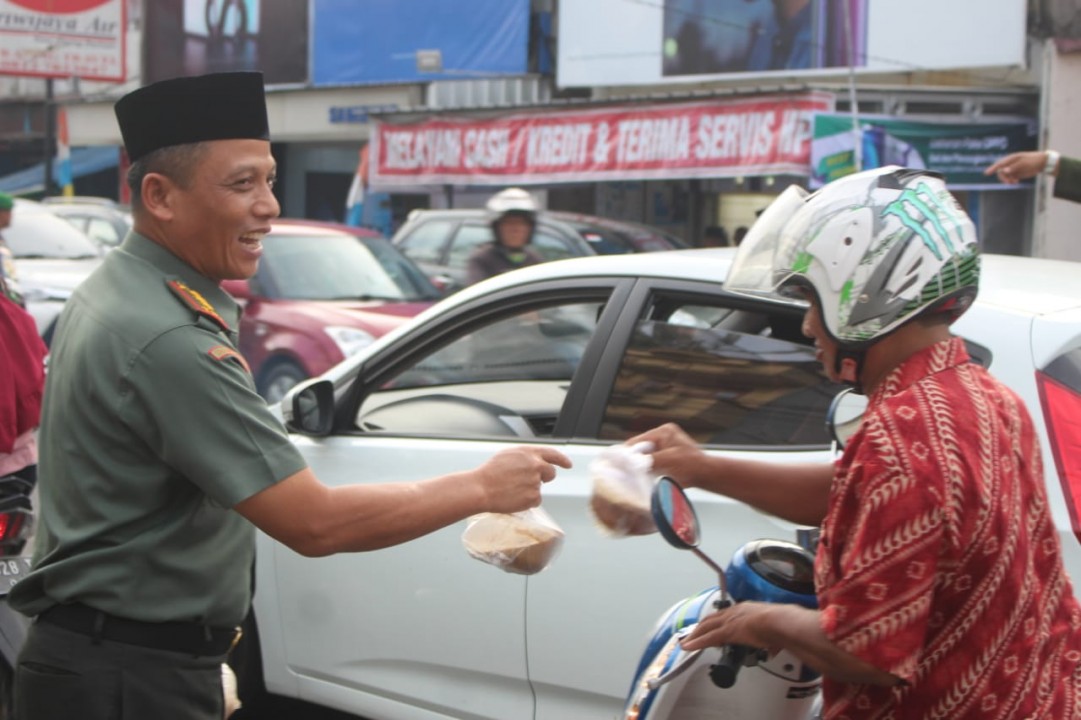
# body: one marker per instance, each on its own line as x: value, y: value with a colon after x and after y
x: 877, y: 248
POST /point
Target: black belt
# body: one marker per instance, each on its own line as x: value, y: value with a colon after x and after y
x: 180, y: 637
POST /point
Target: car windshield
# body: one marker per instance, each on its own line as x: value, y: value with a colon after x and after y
x: 35, y: 234
x: 340, y: 267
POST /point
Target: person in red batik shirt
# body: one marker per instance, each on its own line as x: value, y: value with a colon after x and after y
x: 940, y: 581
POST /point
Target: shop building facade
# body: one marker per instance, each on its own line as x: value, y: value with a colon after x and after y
x: 680, y: 149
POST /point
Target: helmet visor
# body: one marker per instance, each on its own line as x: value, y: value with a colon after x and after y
x: 764, y: 257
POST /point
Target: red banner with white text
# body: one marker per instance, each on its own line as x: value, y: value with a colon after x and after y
x: 765, y: 135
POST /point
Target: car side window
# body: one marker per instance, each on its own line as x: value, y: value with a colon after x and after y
x: 465, y: 241
x: 727, y: 376
x: 545, y: 243
x: 425, y: 243
x: 605, y: 242
x: 551, y: 246
x: 102, y: 232
x: 507, y: 377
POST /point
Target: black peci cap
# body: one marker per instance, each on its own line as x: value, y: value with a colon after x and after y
x: 221, y: 106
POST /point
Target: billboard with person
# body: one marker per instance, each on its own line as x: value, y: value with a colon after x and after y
x: 692, y: 41
x: 193, y: 37
x: 732, y: 36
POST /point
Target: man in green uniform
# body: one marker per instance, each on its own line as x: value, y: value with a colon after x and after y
x: 158, y: 456
x: 1026, y: 165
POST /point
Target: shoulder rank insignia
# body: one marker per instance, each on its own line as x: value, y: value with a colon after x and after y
x: 222, y: 353
x: 197, y: 302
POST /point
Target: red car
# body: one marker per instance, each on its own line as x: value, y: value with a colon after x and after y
x: 323, y: 292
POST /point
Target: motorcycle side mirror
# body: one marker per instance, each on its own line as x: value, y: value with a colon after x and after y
x: 677, y: 521
x: 674, y: 515
x: 845, y: 415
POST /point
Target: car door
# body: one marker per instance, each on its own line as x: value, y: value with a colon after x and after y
x: 424, y: 625
x: 738, y: 377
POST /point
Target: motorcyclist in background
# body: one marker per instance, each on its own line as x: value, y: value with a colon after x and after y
x: 939, y: 575
x: 513, y: 215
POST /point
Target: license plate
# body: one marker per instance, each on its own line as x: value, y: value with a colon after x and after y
x: 11, y: 571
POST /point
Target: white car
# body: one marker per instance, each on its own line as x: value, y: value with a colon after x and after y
x: 582, y: 354
x: 52, y: 257
x: 103, y: 220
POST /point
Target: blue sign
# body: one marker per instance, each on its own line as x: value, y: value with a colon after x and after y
x: 357, y: 42
x: 356, y: 113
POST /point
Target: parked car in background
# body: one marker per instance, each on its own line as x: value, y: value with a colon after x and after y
x: 104, y: 221
x: 583, y: 354
x: 441, y: 241
x: 619, y: 237
x: 52, y: 257
x: 322, y: 293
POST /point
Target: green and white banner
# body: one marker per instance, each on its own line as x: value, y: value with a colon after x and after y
x: 960, y: 151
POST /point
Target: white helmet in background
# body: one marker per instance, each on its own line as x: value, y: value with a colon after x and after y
x: 512, y: 200
x: 877, y: 249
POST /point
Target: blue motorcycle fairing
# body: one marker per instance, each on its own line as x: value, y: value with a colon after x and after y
x: 685, y: 612
x: 745, y: 579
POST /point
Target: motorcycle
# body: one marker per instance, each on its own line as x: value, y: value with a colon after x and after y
x: 16, y: 527
x: 671, y: 683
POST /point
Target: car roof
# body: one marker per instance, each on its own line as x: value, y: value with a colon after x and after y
x: 300, y: 226
x: 604, y: 222
x: 35, y: 230
x: 1033, y: 286
x: 25, y: 204
x: 1030, y: 285
x: 451, y: 212
x: 572, y: 222
x: 704, y: 264
x: 61, y: 208
x: 563, y: 216
x: 62, y: 200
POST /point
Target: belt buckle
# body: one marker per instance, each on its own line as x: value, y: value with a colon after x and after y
x: 237, y: 634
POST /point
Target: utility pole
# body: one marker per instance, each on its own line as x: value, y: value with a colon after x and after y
x: 50, y: 138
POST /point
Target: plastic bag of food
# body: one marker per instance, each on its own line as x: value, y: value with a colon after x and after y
x: 229, y: 690
x: 622, y: 485
x: 524, y: 542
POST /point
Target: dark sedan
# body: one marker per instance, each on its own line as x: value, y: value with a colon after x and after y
x: 441, y: 241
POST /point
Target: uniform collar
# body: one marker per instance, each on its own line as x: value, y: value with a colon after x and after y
x: 173, y: 268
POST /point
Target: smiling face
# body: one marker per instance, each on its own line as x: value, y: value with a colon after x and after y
x: 216, y: 220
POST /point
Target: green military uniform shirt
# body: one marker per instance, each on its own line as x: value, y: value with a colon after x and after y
x: 1068, y: 181
x: 151, y: 431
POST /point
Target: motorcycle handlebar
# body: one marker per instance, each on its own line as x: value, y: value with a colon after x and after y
x: 724, y: 673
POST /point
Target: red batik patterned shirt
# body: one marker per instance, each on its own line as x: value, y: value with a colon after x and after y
x: 939, y: 560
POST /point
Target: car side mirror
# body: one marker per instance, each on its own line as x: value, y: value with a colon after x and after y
x: 674, y: 515
x: 308, y: 408
x: 444, y: 284
x: 677, y: 521
x: 556, y: 328
x: 845, y: 415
